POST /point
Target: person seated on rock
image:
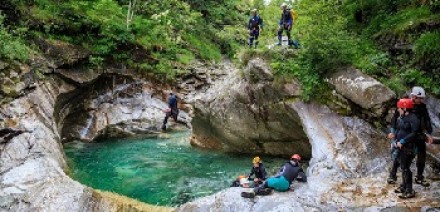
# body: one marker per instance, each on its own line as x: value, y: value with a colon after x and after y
x: 258, y: 170
x: 236, y: 182
x: 290, y: 171
x: 408, y: 126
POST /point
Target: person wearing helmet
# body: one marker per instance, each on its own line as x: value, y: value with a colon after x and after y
x: 254, y: 26
x: 286, y: 22
x: 407, y: 128
x: 290, y: 171
x: 238, y: 181
x: 424, y: 135
x: 258, y: 170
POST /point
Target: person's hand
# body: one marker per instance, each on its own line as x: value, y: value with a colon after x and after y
x: 390, y: 135
x: 429, y: 139
x: 256, y: 180
x: 399, y: 145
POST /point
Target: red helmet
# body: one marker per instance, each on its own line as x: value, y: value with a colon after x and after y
x: 296, y: 156
x: 405, y: 103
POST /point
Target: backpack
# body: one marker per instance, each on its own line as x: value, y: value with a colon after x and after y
x: 294, y: 15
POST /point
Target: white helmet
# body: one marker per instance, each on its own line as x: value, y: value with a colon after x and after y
x: 418, y: 91
x: 283, y: 5
x: 244, y: 181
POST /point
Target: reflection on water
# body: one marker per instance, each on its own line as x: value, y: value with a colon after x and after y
x: 157, y: 171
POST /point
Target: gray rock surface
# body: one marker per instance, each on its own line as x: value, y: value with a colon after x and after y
x: 362, y: 89
x: 347, y: 173
x: 32, y: 161
x: 248, y: 115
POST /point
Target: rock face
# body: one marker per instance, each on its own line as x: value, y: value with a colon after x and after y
x: 362, y: 89
x: 34, y: 117
x: 112, y: 105
x: 32, y: 162
x: 349, y: 158
x: 249, y: 116
x: 347, y: 171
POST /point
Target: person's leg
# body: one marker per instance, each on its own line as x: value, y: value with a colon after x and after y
x: 165, y: 121
x: 407, y: 174
x: 256, y: 35
x: 396, y: 163
x: 280, y: 34
x: 288, y: 28
x: 420, y: 162
x: 251, y: 38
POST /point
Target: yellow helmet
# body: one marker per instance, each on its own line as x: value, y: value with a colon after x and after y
x: 256, y: 160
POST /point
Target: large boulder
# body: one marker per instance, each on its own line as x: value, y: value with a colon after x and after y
x: 249, y: 115
x: 362, y: 89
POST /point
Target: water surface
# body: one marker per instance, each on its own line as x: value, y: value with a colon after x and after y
x: 157, y: 171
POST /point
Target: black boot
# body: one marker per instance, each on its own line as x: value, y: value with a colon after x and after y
x: 422, y: 182
x: 391, y: 180
x: 407, y: 195
x: 248, y: 194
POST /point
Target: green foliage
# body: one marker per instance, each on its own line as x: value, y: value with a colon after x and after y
x: 326, y: 44
x: 155, y: 35
x: 12, y: 46
x: 427, y: 49
x: 203, y: 48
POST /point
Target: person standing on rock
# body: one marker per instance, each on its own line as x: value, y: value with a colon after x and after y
x: 424, y: 135
x: 290, y: 171
x: 171, y: 111
x: 254, y: 26
x: 407, y: 129
x: 258, y: 170
x: 288, y: 16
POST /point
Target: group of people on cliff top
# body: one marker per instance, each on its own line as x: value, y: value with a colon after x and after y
x: 255, y: 25
x: 262, y: 185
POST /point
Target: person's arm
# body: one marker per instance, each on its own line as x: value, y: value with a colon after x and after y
x: 252, y: 173
x: 281, y: 20
x: 263, y: 172
x: 302, y: 176
x: 393, y: 124
x: 261, y: 23
x: 427, y: 121
x: 280, y: 172
x: 249, y: 24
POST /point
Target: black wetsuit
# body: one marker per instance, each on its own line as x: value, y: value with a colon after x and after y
x: 172, y: 104
x: 408, y: 127
x: 260, y: 172
x: 425, y: 127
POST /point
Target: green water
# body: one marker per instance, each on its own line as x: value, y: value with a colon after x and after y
x: 157, y: 171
